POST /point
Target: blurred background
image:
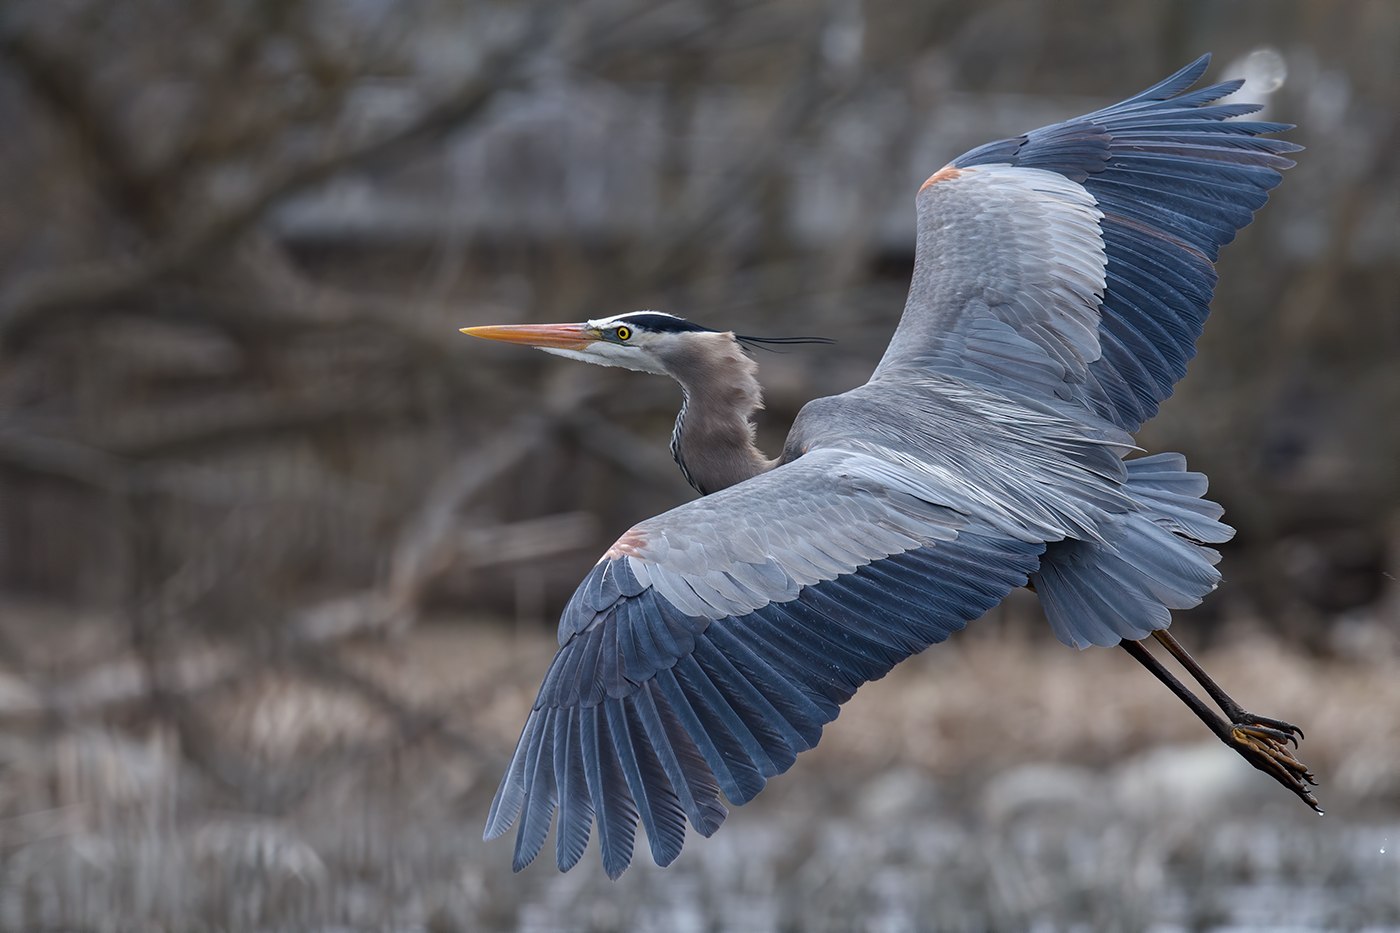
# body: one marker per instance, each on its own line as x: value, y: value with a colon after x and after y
x: 281, y: 552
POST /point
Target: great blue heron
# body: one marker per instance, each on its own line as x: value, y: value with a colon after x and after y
x: 1061, y: 279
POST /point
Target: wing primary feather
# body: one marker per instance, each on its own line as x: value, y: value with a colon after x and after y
x: 655, y: 800
x: 776, y: 736
x: 671, y: 816
x: 616, y: 813
x: 722, y: 717
x: 888, y: 600
x: 881, y: 646
x: 738, y: 777
x: 510, y: 796
x: 795, y: 706
x: 540, y: 796
x: 1172, y: 84
x: 820, y: 674
x: 575, y: 804
x: 854, y: 656
x: 682, y: 762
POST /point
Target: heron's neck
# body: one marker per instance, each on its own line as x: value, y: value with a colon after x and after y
x: 713, y: 441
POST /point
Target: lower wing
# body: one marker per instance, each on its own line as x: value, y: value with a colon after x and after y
x: 713, y: 643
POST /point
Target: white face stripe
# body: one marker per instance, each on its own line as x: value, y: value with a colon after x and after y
x: 614, y: 320
x: 602, y: 353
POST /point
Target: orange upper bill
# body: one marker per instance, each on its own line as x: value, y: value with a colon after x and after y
x: 563, y: 336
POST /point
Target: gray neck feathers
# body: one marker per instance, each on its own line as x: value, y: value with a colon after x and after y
x: 713, y: 441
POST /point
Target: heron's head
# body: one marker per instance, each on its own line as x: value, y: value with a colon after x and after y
x: 647, y: 341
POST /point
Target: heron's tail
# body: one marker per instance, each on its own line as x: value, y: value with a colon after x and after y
x: 1152, y: 561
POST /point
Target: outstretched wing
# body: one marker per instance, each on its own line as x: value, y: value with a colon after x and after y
x: 711, y: 644
x: 1076, y: 262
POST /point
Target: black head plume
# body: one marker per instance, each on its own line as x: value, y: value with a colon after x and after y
x: 772, y: 343
x: 659, y: 322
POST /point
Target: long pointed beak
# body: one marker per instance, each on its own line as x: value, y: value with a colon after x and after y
x: 561, y: 336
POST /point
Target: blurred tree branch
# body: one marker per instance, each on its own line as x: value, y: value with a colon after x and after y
x: 33, y: 302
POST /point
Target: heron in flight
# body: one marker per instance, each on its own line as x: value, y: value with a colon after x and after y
x: 1061, y: 279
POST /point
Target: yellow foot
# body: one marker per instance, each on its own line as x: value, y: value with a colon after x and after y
x: 1264, y: 743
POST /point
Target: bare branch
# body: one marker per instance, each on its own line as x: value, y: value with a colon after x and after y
x: 25, y: 304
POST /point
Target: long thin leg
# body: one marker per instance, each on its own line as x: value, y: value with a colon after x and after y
x: 1263, y: 751
x: 1237, y: 714
x: 1183, y: 693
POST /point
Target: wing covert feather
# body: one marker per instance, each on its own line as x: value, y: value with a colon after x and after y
x: 1009, y: 274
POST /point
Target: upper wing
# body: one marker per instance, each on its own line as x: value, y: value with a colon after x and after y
x: 711, y: 644
x: 1076, y: 261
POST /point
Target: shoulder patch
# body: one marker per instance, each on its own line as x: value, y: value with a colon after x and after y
x: 946, y: 173
x: 629, y: 545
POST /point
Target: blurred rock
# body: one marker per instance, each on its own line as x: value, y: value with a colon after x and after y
x: 897, y: 794
x: 1200, y: 778
x: 1041, y: 787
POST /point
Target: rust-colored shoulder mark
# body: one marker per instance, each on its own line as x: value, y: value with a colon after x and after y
x: 946, y: 173
x: 629, y: 545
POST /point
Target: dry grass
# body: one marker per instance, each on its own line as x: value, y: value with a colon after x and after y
x: 996, y: 782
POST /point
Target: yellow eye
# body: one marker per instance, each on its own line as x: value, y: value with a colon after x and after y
x: 622, y: 333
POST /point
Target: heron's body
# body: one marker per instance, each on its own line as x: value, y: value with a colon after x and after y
x: 1061, y: 279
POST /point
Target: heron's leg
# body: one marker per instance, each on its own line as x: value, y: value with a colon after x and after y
x: 1261, y: 726
x: 1183, y: 693
x: 1264, y: 752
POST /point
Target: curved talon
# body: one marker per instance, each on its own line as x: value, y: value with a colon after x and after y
x: 1295, y: 734
x: 1271, y: 756
x: 1268, y: 732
